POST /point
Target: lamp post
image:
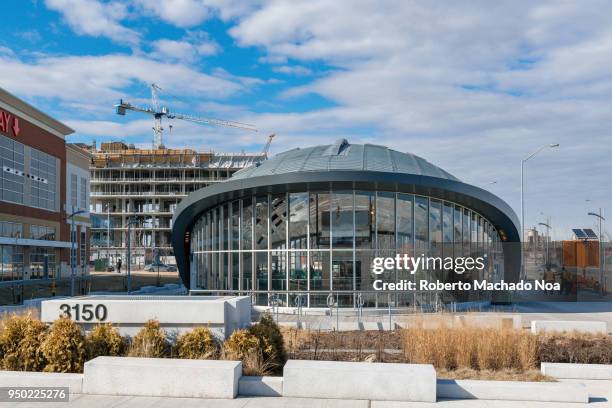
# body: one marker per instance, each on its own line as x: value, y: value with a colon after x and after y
x: 553, y: 145
x: 602, y: 256
x: 72, y: 248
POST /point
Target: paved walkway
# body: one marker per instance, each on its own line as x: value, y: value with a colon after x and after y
x: 600, y: 392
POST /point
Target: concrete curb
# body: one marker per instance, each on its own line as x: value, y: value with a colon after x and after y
x: 512, y: 391
x: 577, y: 371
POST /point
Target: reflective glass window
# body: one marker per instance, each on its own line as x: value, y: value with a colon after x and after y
x: 385, y: 220
x: 342, y: 219
x: 278, y: 221
x: 261, y: 223
x: 298, y: 220
x: 365, y: 215
x: 404, y: 223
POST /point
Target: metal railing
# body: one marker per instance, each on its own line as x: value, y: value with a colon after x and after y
x: 346, y: 300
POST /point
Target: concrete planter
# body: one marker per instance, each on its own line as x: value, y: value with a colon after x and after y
x: 538, y: 326
x: 369, y: 381
x: 74, y: 382
x: 512, y: 391
x: 578, y: 371
x: 162, y: 377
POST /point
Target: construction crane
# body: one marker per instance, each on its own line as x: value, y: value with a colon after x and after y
x: 264, y: 153
x: 158, y: 112
x: 266, y: 148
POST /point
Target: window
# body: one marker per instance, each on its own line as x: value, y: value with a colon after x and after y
x: 42, y: 262
x: 73, y: 190
x: 11, y: 229
x: 13, y: 176
x: 43, y: 169
x: 83, y: 194
x: 42, y: 232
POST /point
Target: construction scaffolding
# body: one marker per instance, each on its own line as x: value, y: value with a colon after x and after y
x: 147, y: 184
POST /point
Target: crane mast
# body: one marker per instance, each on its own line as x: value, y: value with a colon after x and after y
x: 158, y: 112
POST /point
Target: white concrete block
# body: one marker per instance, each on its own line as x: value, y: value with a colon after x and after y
x: 222, y: 314
x: 538, y: 326
x: 74, y: 382
x: 578, y: 371
x: 370, y: 381
x: 162, y: 377
x: 495, y: 321
x: 255, y: 386
x: 513, y: 391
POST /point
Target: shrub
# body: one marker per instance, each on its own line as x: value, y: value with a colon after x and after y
x: 575, y: 348
x: 64, y: 347
x: 20, y: 341
x: 239, y: 344
x: 198, y: 343
x: 270, y: 340
x: 471, y: 348
x: 104, y: 340
x: 150, y: 341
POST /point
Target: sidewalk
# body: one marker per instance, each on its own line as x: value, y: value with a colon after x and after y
x: 600, y: 392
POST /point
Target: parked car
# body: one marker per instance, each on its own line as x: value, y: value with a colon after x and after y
x: 162, y: 267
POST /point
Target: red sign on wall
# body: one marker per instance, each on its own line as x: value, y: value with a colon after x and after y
x: 9, y: 123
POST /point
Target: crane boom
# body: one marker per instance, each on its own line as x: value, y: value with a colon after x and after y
x: 158, y: 112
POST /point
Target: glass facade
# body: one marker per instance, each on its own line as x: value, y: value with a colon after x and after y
x: 34, y: 184
x: 317, y: 242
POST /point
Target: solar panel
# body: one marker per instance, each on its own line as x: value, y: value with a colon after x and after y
x: 590, y: 233
x: 579, y: 233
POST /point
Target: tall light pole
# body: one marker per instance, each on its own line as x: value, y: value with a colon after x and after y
x: 602, y: 256
x: 522, y: 237
x: 72, y: 248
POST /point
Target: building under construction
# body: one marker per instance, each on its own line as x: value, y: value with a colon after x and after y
x: 145, y: 186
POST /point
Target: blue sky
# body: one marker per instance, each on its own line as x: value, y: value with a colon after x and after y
x: 473, y: 87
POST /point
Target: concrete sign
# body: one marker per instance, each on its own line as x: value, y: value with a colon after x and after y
x: 222, y: 314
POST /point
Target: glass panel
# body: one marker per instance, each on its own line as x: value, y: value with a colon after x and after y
x: 261, y: 223
x: 319, y: 220
x: 365, y: 214
x: 278, y: 221
x: 319, y: 277
x: 385, y: 220
x: 236, y: 225
x: 435, y: 224
x: 235, y: 269
x: 278, y: 265
x: 404, y: 223
x: 364, y: 277
x: 298, y: 220
x: 458, y: 223
x: 247, y: 223
x: 342, y: 275
x: 342, y: 219
x: 261, y: 274
x: 298, y: 264
x: 247, y: 271
x: 421, y: 224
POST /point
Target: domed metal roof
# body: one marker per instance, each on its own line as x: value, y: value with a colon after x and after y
x: 344, y: 156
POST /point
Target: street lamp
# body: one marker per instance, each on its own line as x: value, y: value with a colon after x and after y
x: 553, y: 145
x: 602, y: 256
x: 72, y: 248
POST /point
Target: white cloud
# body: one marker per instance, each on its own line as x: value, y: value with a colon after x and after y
x: 91, y: 17
x: 190, y: 13
x: 104, y: 78
x: 194, y: 46
x: 293, y: 70
x: 182, y: 13
x: 471, y: 86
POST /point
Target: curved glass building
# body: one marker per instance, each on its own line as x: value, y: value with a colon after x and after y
x: 309, y: 222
